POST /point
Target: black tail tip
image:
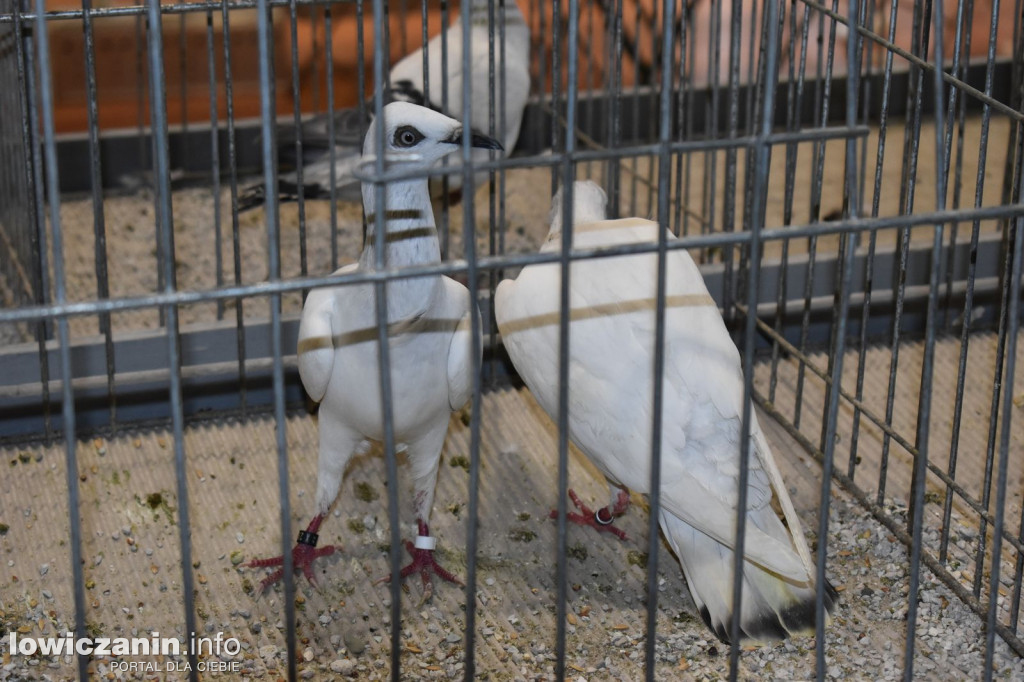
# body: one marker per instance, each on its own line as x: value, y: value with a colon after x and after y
x: 799, y: 618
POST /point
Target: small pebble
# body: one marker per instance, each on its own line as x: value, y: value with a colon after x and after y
x: 355, y: 642
x: 343, y: 666
x: 240, y: 537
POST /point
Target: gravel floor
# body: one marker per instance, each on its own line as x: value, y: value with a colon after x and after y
x: 132, y: 565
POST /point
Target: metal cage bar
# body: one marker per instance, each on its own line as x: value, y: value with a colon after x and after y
x: 702, y: 137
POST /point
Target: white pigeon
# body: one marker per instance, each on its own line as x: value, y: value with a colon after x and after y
x: 611, y: 371
x: 429, y: 341
x: 407, y: 85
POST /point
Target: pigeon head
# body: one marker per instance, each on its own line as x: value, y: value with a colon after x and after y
x: 589, y: 204
x: 417, y: 135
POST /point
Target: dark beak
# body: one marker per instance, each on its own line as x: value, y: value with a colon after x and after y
x: 476, y: 139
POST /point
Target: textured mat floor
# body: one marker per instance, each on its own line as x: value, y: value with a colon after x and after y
x: 133, y: 568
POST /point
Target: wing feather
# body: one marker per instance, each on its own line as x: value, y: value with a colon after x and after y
x: 316, y: 339
x: 611, y: 380
x: 460, y: 351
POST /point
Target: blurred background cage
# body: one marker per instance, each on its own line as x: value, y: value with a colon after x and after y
x: 856, y: 211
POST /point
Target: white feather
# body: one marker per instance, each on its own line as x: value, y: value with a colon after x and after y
x: 511, y: 69
x: 611, y: 387
x: 428, y: 328
x: 515, y: 68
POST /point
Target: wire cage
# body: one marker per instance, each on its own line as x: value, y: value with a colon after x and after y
x: 847, y: 175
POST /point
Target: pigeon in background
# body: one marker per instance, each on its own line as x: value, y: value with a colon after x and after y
x: 407, y: 85
x: 610, y: 416
x: 429, y: 342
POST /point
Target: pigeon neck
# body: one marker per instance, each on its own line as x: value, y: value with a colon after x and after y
x: 410, y: 234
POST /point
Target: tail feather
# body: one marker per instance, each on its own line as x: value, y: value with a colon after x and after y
x: 256, y: 195
x: 288, y: 191
x: 251, y: 197
x: 772, y: 608
x: 317, y: 177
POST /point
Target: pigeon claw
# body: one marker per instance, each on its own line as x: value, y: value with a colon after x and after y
x: 424, y: 563
x: 603, y: 519
x: 303, y: 557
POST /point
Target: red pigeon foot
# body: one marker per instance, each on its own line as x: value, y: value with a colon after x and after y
x: 304, y: 554
x: 603, y: 519
x: 424, y: 563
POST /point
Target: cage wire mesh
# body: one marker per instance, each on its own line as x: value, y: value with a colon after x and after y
x: 855, y: 211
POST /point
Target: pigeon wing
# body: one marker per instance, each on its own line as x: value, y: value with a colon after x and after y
x: 460, y: 351
x: 317, y: 330
x: 611, y: 388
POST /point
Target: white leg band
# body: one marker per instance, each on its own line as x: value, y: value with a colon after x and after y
x: 427, y: 542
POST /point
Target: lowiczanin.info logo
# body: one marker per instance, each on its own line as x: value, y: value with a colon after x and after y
x: 132, y: 647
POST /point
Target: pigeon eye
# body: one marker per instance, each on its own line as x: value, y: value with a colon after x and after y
x: 407, y: 136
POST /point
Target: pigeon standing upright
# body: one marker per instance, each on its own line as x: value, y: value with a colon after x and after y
x: 429, y: 341
x: 407, y: 85
x: 611, y: 379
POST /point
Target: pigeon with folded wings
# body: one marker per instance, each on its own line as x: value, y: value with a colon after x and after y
x: 611, y: 379
x: 337, y: 141
x: 429, y: 342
